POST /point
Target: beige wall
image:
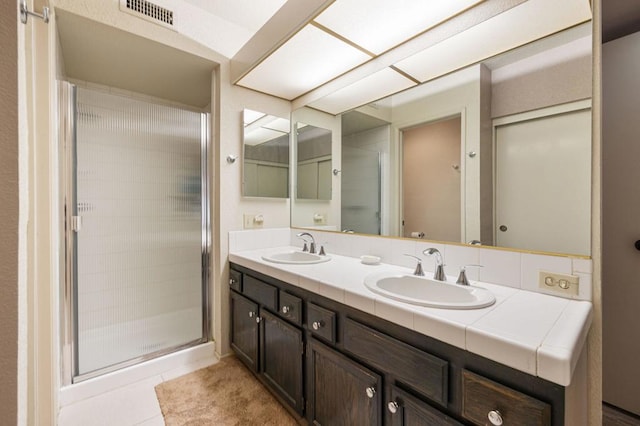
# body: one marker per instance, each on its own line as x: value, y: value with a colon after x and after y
x: 9, y: 214
x: 553, y: 85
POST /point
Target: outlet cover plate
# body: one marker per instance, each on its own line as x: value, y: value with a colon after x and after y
x: 560, y: 283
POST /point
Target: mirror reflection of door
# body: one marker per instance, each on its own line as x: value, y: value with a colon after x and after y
x: 431, y: 180
x: 314, y: 162
x: 543, y: 177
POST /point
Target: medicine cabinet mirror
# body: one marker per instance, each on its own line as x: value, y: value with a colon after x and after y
x: 266, y: 155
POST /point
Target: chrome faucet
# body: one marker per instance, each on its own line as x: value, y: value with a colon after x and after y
x: 462, y: 277
x: 419, y: 271
x: 312, y: 244
x: 438, y: 275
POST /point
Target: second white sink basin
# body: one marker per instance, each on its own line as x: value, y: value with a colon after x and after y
x: 296, y: 258
x: 428, y: 292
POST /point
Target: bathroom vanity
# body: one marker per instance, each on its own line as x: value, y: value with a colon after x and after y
x: 331, y: 363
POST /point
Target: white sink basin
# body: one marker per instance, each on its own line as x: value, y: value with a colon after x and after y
x: 296, y: 258
x: 428, y: 292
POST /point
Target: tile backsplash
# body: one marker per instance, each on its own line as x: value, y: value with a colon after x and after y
x: 499, y: 266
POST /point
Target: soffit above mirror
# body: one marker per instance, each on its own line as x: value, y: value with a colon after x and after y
x: 353, y: 52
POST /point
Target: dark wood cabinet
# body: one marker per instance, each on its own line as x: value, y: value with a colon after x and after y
x: 282, y: 351
x: 407, y: 410
x: 331, y: 364
x: 244, y: 330
x: 485, y: 399
x: 342, y: 392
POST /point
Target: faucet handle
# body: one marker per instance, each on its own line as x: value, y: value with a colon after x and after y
x: 419, y: 271
x: 322, y: 252
x: 462, y: 277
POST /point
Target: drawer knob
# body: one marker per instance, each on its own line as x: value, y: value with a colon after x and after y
x: 286, y: 309
x: 317, y: 325
x: 495, y: 417
x: 371, y: 391
x: 393, y: 407
x: 232, y: 281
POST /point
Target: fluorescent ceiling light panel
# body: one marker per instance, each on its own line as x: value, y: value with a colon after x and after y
x: 261, y: 135
x: 530, y: 21
x: 379, y: 25
x: 307, y: 60
x: 376, y: 86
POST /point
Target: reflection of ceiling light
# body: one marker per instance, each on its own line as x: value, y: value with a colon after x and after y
x: 379, y: 25
x: 371, y: 88
x: 493, y: 36
x: 260, y: 127
x: 261, y: 135
x: 250, y: 116
x: 279, y: 124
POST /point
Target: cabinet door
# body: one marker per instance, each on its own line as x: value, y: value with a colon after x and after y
x: 282, y: 355
x: 342, y: 392
x: 407, y: 410
x: 244, y: 330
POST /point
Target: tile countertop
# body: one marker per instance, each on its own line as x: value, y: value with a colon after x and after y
x: 539, y: 334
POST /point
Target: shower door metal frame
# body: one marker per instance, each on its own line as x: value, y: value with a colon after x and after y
x: 68, y: 294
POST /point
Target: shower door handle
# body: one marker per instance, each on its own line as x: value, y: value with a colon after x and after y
x: 76, y: 223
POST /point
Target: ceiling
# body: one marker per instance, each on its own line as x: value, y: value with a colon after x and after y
x: 352, y: 52
x: 102, y: 54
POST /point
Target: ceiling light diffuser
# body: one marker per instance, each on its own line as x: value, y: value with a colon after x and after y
x: 379, y: 25
x: 307, y: 60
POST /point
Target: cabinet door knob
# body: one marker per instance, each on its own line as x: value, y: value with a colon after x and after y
x: 251, y: 314
x: 232, y: 281
x: 371, y: 391
x: 393, y: 407
x: 286, y: 309
x: 317, y: 325
x: 495, y: 417
x: 258, y: 319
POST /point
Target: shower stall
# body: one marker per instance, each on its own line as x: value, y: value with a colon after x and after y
x: 137, y: 231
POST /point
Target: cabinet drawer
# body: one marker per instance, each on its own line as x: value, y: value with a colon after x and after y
x: 261, y: 292
x: 407, y: 410
x: 321, y: 322
x: 480, y: 396
x: 290, y: 307
x: 235, y: 280
x: 424, y: 372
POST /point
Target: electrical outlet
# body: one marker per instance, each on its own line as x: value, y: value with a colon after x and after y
x: 561, y: 283
x: 252, y: 221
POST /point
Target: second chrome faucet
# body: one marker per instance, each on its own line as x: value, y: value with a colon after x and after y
x: 438, y: 274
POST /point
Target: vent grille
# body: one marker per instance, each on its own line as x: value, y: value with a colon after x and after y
x: 151, y: 11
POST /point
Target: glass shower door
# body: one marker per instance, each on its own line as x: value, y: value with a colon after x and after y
x: 139, y: 219
x: 361, y: 190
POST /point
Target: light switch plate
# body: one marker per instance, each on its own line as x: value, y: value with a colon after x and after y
x: 560, y: 283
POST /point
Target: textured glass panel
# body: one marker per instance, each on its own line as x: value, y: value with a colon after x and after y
x: 139, y: 251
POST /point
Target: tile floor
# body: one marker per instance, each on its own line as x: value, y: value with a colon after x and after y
x: 133, y: 404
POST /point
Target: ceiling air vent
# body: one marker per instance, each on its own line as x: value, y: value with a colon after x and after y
x: 149, y: 11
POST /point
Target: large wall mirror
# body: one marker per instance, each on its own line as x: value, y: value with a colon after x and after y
x: 498, y: 154
x: 266, y: 155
